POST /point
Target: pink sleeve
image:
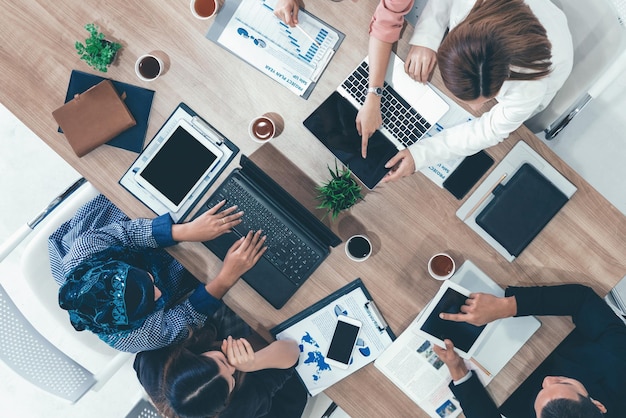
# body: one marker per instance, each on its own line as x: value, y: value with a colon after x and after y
x: 388, y: 19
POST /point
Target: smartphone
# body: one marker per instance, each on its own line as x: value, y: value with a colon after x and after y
x: 343, y: 342
x: 471, y: 169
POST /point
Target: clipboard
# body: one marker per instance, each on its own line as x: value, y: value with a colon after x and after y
x: 228, y: 149
x: 313, y: 328
x: 294, y: 57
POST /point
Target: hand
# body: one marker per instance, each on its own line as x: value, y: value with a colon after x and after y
x: 241, y: 256
x: 482, y: 308
x: 401, y: 165
x: 287, y: 11
x: 239, y: 353
x: 455, y: 363
x: 209, y: 225
x: 368, y: 120
x: 420, y: 62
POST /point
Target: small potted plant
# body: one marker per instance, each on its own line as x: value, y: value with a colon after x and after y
x: 97, y: 52
x: 341, y: 192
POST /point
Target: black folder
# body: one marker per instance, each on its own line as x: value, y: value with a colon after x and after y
x: 521, y: 208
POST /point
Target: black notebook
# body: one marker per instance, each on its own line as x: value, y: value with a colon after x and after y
x: 521, y: 208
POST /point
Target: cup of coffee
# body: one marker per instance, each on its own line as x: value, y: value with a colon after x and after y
x: 148, y: 67
x: 441, y: 266
x: 204, y: 9
x: 358, y: 248
x: 266, y: 127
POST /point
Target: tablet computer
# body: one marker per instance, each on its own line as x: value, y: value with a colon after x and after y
x: 466, y: 337
x: 178, y: 166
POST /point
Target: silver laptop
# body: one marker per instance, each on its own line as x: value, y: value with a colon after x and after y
x: 409, y: 108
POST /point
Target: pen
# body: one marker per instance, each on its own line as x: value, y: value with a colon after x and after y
x: 480, y: 366
x: 330, y: 410
x: 482, y: 199
x: 308, y: 36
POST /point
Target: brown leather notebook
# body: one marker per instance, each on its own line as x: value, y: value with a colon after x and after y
x: 94, y: 117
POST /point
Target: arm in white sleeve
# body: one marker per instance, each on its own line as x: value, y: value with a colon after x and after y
x: 516, y: 103
x: 432, y: 24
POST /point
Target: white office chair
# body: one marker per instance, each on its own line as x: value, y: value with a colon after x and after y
x: 38, y: 341
x: 599, y: 58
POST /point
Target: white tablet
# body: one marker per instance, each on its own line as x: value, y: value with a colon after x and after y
x: 466, y: 337
x: 177, y: 167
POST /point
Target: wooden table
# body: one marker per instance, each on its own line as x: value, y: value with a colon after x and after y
x: 408, y: 221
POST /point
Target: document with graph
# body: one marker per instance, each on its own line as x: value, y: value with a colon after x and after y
x: 294, y: 57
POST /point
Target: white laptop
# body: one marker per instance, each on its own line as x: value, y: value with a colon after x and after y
x: 409, y: 108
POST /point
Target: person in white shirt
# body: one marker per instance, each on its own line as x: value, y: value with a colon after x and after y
x: 514, y: 51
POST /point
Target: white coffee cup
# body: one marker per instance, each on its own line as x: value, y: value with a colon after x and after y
x: 441, y: 266
x: 358, y: 248
x: 204, y: 9
x: 148, y: 67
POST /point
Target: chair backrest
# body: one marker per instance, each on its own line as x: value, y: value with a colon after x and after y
x: 599, y: 38
x: 33, y: 357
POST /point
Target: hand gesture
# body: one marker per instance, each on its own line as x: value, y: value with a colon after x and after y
x: 401, y: 165
x: 455, y: 363
x: 287, y: 11
x: 239, y: 353
x: 482, y: 308
x: 420, y: 63
x: 209, y: 225
x: 368, y: 120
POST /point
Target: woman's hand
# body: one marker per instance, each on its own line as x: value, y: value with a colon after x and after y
x: 287, y: 11
x: 401, y: 165
x: 209, y: 225
x: 368, y: 120
x: 420, y: 63
x: 455, y: 363
x: 241, y: 256
x: 239, y: 353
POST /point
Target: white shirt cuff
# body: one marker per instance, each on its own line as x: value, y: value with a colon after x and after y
x: 463, y: 379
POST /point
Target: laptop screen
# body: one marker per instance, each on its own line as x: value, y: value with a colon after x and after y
x: 333, y: 123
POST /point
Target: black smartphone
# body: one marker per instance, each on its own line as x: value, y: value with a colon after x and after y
x: 471, y: 169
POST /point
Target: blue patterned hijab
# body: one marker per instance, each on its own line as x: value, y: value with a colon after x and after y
x: 110, y: 292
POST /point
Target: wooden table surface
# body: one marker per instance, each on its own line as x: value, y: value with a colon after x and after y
x: 407, y: 221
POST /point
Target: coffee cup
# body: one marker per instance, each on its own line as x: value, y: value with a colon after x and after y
x: 204, y: 9
x: 265, y: 127
x: 148, y: 67
x: 358, y: 248
x: 441, y: 266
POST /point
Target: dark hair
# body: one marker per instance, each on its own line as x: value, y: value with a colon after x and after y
x: 497, y: 38
x: 570, y: 408
x: 192, y: 385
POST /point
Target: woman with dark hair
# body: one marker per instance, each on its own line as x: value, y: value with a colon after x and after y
x: 208, y: 377
x: 518, y: 52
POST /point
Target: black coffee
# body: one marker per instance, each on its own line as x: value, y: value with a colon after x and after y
x: 358, y: 247
x: 149, y: 67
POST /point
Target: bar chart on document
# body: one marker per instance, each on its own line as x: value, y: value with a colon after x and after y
x: 293, y: 56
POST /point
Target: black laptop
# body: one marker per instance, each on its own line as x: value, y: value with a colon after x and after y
x: 297, y: 242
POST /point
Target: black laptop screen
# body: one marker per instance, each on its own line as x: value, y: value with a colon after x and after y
x: 333, y: 123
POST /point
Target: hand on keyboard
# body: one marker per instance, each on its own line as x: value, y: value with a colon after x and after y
x: 241, y: 256
x: 209, y: 225
x: 368, y: 120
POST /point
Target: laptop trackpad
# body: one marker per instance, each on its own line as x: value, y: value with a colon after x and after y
x: 266, y: 279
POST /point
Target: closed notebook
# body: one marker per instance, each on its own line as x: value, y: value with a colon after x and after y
x: 521, y: 208
x: 94, y: 117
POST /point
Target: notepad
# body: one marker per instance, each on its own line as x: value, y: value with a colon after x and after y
x: 521, y: 208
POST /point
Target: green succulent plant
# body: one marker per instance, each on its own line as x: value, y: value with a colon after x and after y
x: 339, y: 193
x: 97, y: 52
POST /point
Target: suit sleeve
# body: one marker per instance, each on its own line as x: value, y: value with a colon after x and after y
x: 474, y: 399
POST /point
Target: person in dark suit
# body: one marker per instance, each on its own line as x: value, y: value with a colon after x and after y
x: 585, y: 377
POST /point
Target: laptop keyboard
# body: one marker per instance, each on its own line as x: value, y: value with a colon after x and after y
x: 399, y: 118
x: 285, y: 249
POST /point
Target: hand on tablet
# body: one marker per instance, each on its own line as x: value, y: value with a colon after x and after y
x: 455, y: 363
x: 211, y: 224
x: 482, y: 308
